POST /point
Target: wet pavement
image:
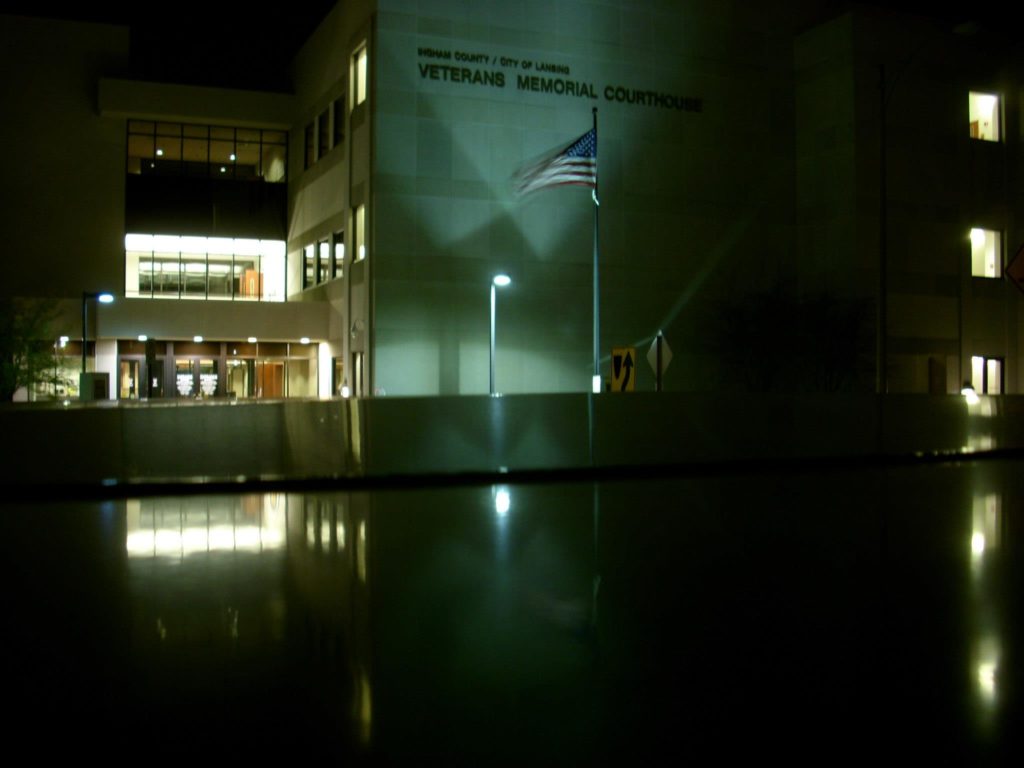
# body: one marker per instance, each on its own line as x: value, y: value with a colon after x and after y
x: 814, y: 616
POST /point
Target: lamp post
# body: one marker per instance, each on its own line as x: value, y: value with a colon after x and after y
x: 102, y: 298
x: 499, y: 281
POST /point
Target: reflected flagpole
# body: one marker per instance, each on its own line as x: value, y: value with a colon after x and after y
x: 596, y: 383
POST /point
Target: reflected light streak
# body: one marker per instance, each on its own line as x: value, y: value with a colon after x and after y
x: 166, y: 542
x: 502, y: 501
x: 978, y: 544
x: 986, y: 669
x: 987, y: 680
x: 364, y: 707
x: 361, y: 552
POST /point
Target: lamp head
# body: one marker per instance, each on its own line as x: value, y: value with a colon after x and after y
x: 502, y: 280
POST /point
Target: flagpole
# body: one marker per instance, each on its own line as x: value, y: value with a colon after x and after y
x: 596, y: 384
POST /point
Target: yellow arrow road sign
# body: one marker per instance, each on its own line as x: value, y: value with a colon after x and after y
x: 623, y: 369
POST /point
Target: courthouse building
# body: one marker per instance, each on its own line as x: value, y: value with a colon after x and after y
x: 797, y: 157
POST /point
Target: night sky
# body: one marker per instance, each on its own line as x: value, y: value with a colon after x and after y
x: 239, y: 45
x: 235, y: 45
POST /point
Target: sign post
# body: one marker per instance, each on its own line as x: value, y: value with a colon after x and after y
x: 659, y: 356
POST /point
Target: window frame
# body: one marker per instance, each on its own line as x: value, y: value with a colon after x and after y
x: 982, y: 240
x: 973, y: 104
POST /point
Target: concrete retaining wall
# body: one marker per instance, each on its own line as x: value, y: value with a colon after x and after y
x: 116, y: 443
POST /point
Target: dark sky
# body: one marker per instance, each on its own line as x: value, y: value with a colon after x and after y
x: 235, y: 44
x: 239, y: 45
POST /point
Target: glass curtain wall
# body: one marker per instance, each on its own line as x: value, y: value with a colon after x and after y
x: 220, y: 268
x: 180, y: 149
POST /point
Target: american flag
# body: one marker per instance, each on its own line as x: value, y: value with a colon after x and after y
x: 575, y: 164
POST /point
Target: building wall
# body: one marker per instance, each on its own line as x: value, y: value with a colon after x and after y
x: 865, y: 80
x: 64, y: 166
x: 695, y: 202
x: 322, y: 196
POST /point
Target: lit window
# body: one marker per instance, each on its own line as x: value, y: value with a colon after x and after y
x: 218, y: 268
x: 983, y: 109
x: 359, y: 76
x: 324, y: 262
x: 359, y: 222
x: 987, y: 375
x: 986, y: 253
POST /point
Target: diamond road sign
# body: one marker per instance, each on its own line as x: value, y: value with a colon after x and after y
x: 652, y: 355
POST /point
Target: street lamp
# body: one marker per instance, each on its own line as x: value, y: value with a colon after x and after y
x: 499, y: 281
x: 102, y: 298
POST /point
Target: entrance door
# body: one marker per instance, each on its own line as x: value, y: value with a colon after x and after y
x: 241, y: 376
x: 208, y: 377
x: 128, y: 380
x: 270, y: 379
x: 185, y: 378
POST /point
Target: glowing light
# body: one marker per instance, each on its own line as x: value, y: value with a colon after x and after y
x: 232, y: 157
x: 978, y: 238
x: 304, y: 340
x: 986, y: 103
x: 64, y: 341
x: 251, y: 339
x: 198, y: 539
x: 595, y: 385
x: 978, y: 543
x: 970, y: 395
x: 159, y: 152
x: 143, y: 337
x: 345, y: 391
x: 197, y: 339
x: 105, y: 298
x: 502, y: 502
x: 502, y: 280
x: 223, y: 169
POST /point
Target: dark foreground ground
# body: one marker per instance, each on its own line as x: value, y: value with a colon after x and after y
x: 868, y: 614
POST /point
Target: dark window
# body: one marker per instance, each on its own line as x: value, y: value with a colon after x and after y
x: 176, y: 149
x: 309, y: 146
x: 338, y: 254
x: 309, y: 273
x: 323, y: 133
x: 339, y: 120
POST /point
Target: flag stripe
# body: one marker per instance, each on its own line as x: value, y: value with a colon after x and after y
x: 575, y: 164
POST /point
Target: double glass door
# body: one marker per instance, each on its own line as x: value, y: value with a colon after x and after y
x: 196, y: 377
